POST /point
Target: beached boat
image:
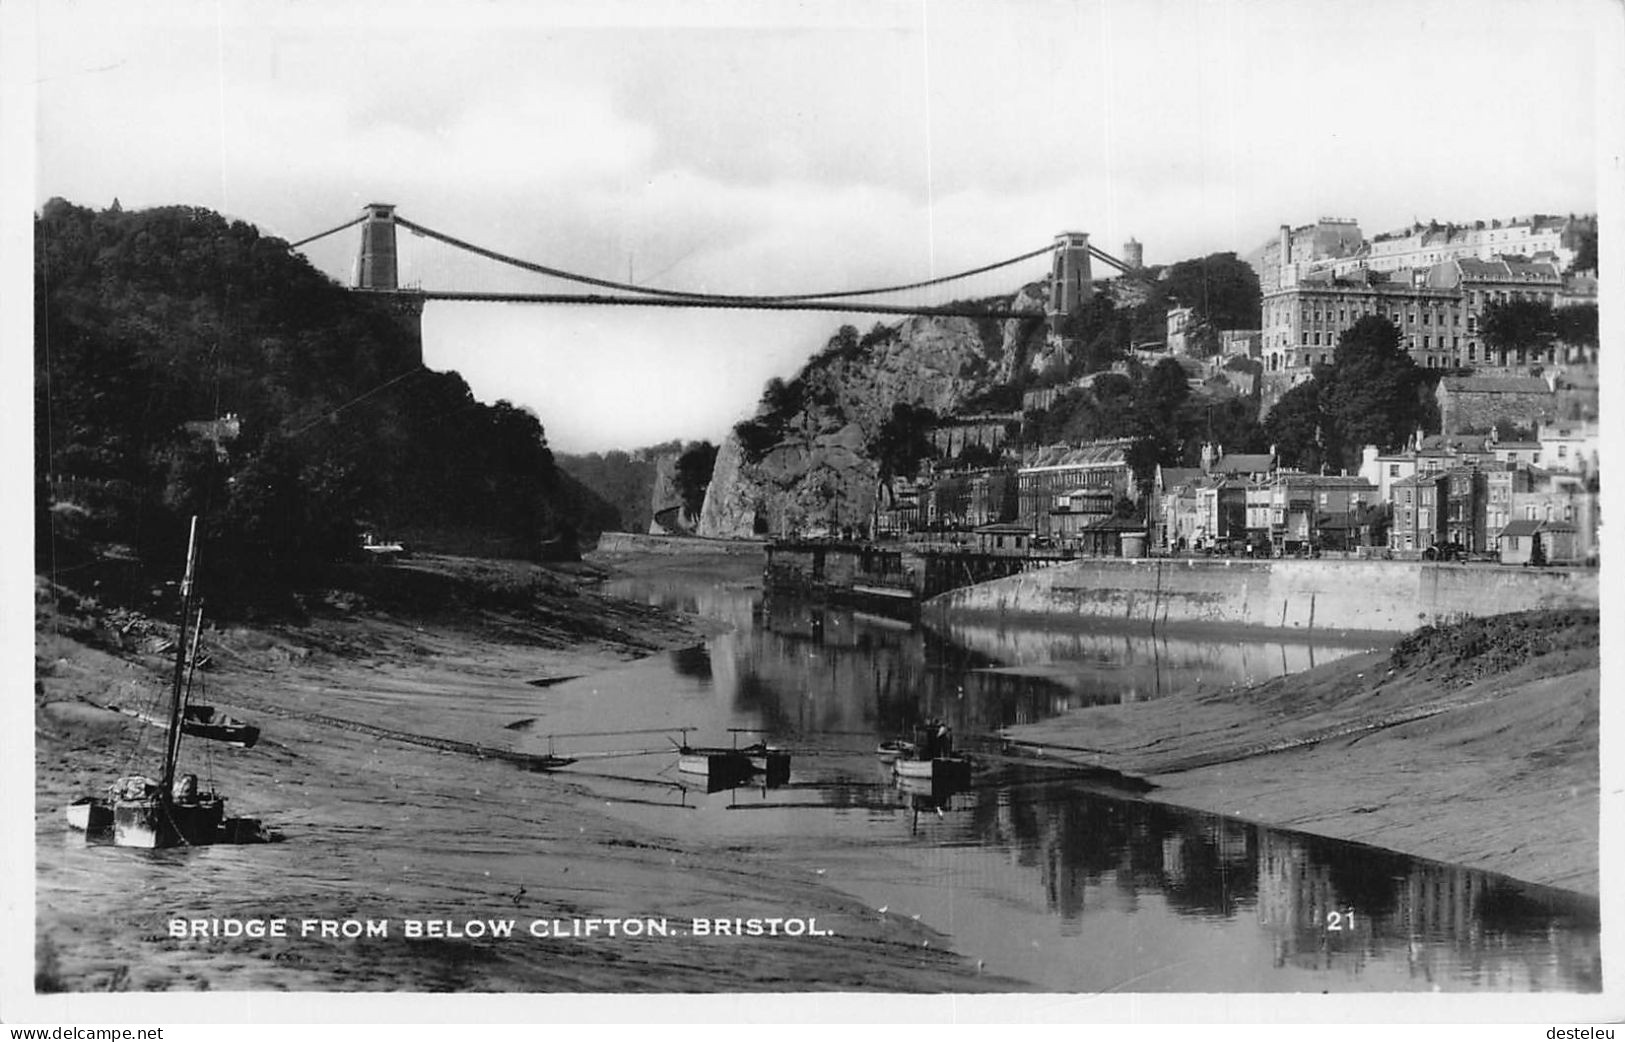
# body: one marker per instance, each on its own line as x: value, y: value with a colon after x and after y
x: 770, y: 761
x: 948, y: 770
x: 892, y: 748
x: 172, y: 811
x: 713, y: 762
x: 206, y: 722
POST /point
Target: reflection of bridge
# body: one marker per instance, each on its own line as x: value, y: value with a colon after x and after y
x: 377, y: 272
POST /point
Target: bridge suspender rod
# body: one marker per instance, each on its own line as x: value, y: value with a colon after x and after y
x: 704, y: 302
x: 677, y: 295
x: 330, y: 231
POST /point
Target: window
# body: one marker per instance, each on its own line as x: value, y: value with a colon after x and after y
x: 1393, y: 470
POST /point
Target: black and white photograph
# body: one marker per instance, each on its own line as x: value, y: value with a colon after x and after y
x: 701, y: 511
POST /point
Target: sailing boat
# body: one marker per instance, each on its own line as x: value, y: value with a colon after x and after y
x: 170, y: 812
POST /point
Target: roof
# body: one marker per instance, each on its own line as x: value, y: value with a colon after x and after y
x: 1325, y: 480
x: 1496, y: 384
x: 1173, y: 477
x: 1456, y: 442
x: 1244, y: 463
x: 1116, y: 524
x: 1504, y: 269
x: 1525, y: 527
x: 1004, y: 528
x: 1427, y: 477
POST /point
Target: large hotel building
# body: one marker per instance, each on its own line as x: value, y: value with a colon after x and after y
x: 1433, y: 284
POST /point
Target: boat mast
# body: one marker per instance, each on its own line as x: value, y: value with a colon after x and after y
x: 172, y: 742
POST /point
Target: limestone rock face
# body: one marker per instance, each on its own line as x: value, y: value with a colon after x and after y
x: 1023, y: 342
x: 666, y: 515
x: 817, y: 478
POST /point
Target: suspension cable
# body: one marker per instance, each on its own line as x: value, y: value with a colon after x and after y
x: 330, y: 231
x: 607, y: 284
x: 742, y: 303
x: 1099, y: 254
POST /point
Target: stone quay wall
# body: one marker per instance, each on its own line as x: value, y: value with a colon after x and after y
x: 637, y: 542
x: 1291, y: 595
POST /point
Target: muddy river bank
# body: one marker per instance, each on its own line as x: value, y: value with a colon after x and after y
x: 1025, y: 883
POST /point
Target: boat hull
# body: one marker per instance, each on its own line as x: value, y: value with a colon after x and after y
x: 91, y: 815
x: 202, y: 721
x: 943, y: 769
x: 242, y: 735
x: 156, y: 823
x: 892, y: 750
x: 721, y: 768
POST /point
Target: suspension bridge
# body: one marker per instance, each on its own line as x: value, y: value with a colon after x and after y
x: 376, y: 272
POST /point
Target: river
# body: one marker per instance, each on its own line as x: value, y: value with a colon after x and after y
x: 1047, y: 877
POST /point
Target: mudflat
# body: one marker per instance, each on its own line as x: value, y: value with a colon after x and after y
x: 1474, y: 743
x: 380, y: 830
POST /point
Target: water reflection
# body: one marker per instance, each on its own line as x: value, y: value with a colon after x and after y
x: 1106, y: 668
x: 1046, y: 879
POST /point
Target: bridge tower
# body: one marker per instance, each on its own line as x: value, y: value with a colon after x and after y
x: 1071, y: 283
x: 376, y: 268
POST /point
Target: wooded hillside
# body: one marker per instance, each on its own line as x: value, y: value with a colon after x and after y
x: 184, y: 363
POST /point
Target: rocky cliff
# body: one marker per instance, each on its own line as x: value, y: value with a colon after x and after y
x: 666, y: 516
x: 807, y: 470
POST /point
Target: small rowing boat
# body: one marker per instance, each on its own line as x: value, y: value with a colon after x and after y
x: 892, y: 748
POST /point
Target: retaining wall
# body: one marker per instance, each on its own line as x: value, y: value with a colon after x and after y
x: 636, y: 542
x: 1376, y: 596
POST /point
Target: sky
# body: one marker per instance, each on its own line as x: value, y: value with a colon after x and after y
x: 763, y: 148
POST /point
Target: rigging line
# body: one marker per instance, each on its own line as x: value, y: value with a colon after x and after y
x: 357, y: 400
x: 330, y: 231
x: 652, y: 291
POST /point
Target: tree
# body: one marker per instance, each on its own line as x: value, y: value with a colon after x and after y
x: 1585, y: 256
x: 1157, y: 403
x: 694, y: 468
x: 903, y: 440
x: 1222, y: 289
x: 1294, y: 427
x: 1374, y: 393
x: 1517, y: 325
x: 1576, y: 324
